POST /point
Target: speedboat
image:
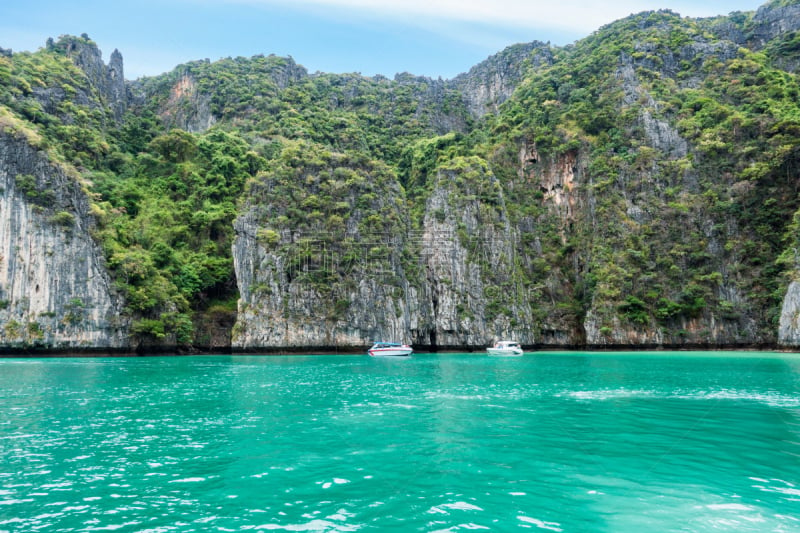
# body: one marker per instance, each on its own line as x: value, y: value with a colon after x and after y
x: 505, y: 348
x: 390, y: 348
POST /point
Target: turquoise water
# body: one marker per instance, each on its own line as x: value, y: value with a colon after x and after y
x: 577, y: 442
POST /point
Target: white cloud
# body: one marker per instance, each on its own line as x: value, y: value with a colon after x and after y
x: 575, y: 16
x: 513, y: 13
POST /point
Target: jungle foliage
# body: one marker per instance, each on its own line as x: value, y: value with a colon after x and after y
x: 682, y: 149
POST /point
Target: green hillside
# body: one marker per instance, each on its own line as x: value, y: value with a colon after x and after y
x: 640, y: 185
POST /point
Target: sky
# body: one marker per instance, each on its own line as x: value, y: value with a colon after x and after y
x: 435, y: 38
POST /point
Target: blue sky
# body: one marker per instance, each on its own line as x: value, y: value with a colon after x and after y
x: 436, y: 38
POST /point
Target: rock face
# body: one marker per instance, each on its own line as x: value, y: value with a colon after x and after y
x: 107, y: 80
x: 770, y: 22
x: 345, y: 273
x: 432, y: 103
x: 467, y: 254
x: 614, y: 227
x: 55, y: 292
x: 435, y: 286
x: 187, y: 108
x: 491, y: 82
x: 789, y: 328
x: 191, y: 108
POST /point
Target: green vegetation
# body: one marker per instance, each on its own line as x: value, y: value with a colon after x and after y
x: 166, y: 224
x: 330, y: 218
x: 712, y: 218
x: 645, y: 175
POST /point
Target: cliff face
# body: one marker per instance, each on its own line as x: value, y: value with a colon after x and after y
x: 634, y: 189
x: 773, y: 27
x: 54, y: 289
x: 193, y: 99
x: 344, y: 268
x: 789, y: 328
x: 106, y: 80
x: 491, y: 82
x: 375, y: 277
x: 187, y: 108
x: 772, y: 21
x: 640, y: 265
x: 468, y: 258
x: 436, y: 103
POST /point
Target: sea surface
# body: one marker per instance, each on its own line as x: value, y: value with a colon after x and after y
x: 577, y: 442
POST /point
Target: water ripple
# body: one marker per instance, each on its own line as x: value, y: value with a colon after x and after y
x: 597, y: 443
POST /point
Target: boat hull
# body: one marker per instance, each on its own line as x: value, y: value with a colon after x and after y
x: 391, y: 352
x: 505, y: 348
x: 503, y: 351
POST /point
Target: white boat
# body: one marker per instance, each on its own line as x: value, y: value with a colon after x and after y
x: 390, y: 348
x: 505, y: 348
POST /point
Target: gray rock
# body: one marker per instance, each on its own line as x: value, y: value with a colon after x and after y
x: 106, y: 80
x: 54, y: 287
x: 491, y: 82
x: 770, y: 22
x: 789, y: 325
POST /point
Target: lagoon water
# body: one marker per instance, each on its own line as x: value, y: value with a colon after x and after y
x: 582, y: 442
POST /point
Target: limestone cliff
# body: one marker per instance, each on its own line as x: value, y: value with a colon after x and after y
x: 774, y: 21
x: 55, y: 292
x: 789, y: 327
x: 633, y: 189
x: 313, y: 279
x: 366, y: 275
x: 107, y: 81
x: 468, y: 258
x: 491, y: 82
x: 193, y: 97
x: 187, y: 107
